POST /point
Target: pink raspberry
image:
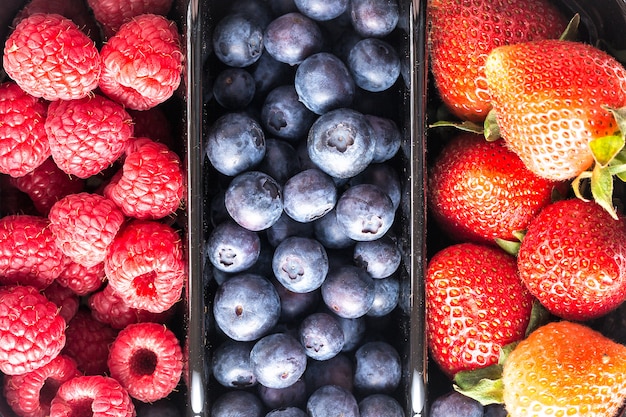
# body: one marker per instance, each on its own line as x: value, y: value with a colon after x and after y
x: 153, y: 124
x: 84, y: 226
x: 151, y: 183
x: 147, y: 360
x: 50, y: 57
x: 111, y: 14
x: 31, y: 330
x: 82, y: 280
x: 29, y: 254
x: 30, y: 395
x: 64, y: 298
x: 142, y: 63
x: 145, y: 266
x: 94, y: 396
x: 87, y: 135
x: 23, y: 139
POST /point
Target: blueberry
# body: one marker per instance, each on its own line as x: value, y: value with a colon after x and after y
x: 309, y: 195
x: 455, y: 404
x: 321, y: 335
x: 344, y: 43
x: 378, y: 368
x: 331, y: 401
x: 269, y: 73
x: 292, y: 396
x: 231, y: 364
x: 286, y: 227
x: 292, y: 37
x: 238, y: 40
x: 328, y: 232
x: 300, y: 264
x: 324, y: 83
x: 380, y: 405
x: 232, y: 248
x: 380, y: 257
x: 386, y: 296
x: 374, y: 64
x: 234, y: 88
x: 341, y: 143
x: 295, y: 305
x: 365, y: 212
x: 322, y: 10
x: 278, y: 360
x: 237, y: 404
x: 385, y: 177
x: 283, y: 115
x: 254, y: 200
x: 278, y: 161
x: 287, y: 412
x: 495, y: 410
x: 348, y: 291
x: 374, y: 18
x: 338, y: 370
x: 246, y: 306
x: 256, y: 10
x: 159, y: 408
x: 235, y: 143
x: 387, y: 137
x: 354, y: 331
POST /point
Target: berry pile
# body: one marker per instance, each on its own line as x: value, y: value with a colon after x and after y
x: 91, y: 255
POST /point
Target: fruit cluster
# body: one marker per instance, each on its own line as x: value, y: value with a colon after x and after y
x: 91, y: 256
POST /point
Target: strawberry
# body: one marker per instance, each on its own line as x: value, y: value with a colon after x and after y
x: 475, y: 305
x: 479, y: 190
x: 572, y: 259
x: 463, y: 32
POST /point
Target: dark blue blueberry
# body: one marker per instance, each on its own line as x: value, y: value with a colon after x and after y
x: 321, y: 335
x: 295, y: 305
x: 348, y: 291
x: 365, y: 212
x: 238, y: 40
x: 237, y: 404
x: 246, y: 306
x: 300, y: 264
x: 354, y: 331
x: 332, y: 401
x: 256, y: 10
x: 328, y: 232
x: 234, y: 88
x: 286, y: 227
x: 374, y: 64
x: 385, y: 177
x: 292, y: 37
x: 344, y: 43
x: 232, y: 248
x: 387, y: 137
x: 235, y: 143
x: 341, y: 143
x: 292, y: 396
x: 337, y: 370
x: 380, y: 257
x: 378, y: 368
x: 269, y: 73
x: 254, y: 200
x: 324, y: 83
x: 374, y: 18
x: 322, y: 10
x: 380, y: 405
x: 231, y: 364
x: 495, y: 410
x: 387, y: 295
x: 309, y: 195
x: 278, y: 161
x: 287, y: 412
x: 284, y: 116
x: 455, y: 404
x: 278, y: 360
x: 280, y: 7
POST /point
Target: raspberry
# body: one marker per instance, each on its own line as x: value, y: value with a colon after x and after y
x: 94, y: 396
x: 84, y: 226
x: 153, y: 124
x: 30, y: 395
x: 64, y: 298
x: 112, y: 14
x: 82, y: 280
x: 144, y: 265
x: 151, y: 184
x: 87, y: 135
x: 23, y: 140
x: 50, y: 57
x: 46, y: 184
x: 88, y: 343
x: 31, y: 330
x: 29, y: 254
x: 142, y: 63
x: 147, y: 360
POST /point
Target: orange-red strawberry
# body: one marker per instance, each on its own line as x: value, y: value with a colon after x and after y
x: 462, y: 33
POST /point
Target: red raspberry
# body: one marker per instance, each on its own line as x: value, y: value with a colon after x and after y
x: 64, y: 298
x: 82, y: 280
x: 30, y: 395
x: 84, y: 226
x: 23, y: 140
x: 142, y: 63
x: 147, y: 360
x: 153, y: 124
x: 50, y: 57
x: 112, y: 14
x: 151, y: 184
x: 31, y: 330
x: 87, y: 135
x: 94, y: 396
x: 46, y: 184
x: 29, y: 254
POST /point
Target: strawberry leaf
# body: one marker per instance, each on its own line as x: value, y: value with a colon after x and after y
x: 620, y: 117
x: 491, y: 130
x: 602, y: 188
x: 538, y: 317
x: 571, y: 31
x: 604, y: 149
x: 483, y: 384
x: 509, y: 246
x: 464, y: 125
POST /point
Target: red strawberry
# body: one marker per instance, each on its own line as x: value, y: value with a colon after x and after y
x: 572, y: 259
x: 23, y: 140
x: 481, y: 191
x: 112, y: 14
x: 462, y: 33
x: 50, y: 57
x: 87, y: 135
x: 82, y: 280
x: 475, y: 304
x: 142, y: 63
